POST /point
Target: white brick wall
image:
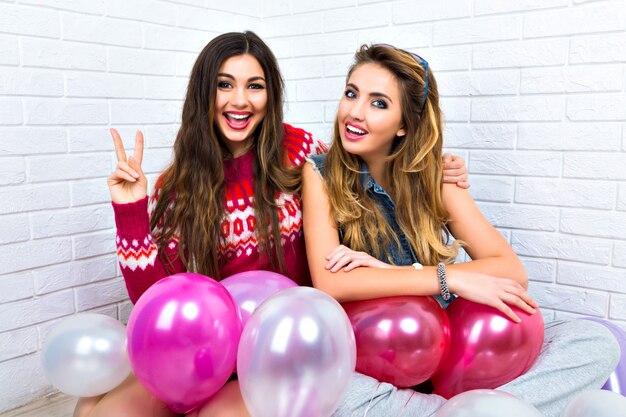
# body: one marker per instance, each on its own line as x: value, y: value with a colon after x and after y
x: 533, y: 92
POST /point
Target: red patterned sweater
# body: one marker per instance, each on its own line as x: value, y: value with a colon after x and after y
x: 139, y: 256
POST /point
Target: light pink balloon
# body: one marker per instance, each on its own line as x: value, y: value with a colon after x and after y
x: 182, y: 339
x: 400, y: 340
x: 249, y: 289
x: 487, y: 349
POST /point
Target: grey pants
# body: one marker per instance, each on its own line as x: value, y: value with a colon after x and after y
x: 576, y: 356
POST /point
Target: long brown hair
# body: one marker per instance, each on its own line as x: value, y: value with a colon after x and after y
x: 414, y: 166
x: 195, y: 178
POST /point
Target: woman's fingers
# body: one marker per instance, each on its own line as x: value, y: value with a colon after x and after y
x: 336, y: 251
x: 125, y: 166
x: 120, y: 154
x: 508, y: 311
x: 138, y: 150
x: 119, y: 175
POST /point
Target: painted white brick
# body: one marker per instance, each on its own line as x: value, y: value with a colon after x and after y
x: 477, y: 30
x: 244, y: 7
x: 405, y: 36
x: 537, y: 269
x: 65, y: 111
x: 498, y: 189
x: 145, y: 10
x: 99, y: 294
x: 532, y: 109
x: 67, y: 167
x: 547, y: 164
x: 482, y: 136
x: 68, y: 222
x: 587, y: 276
x: 9, y: 51
x: 27, y: 312
x: 602, y: 166
x: 621, y: 197
x: 424, y: 10
x: 617, y: 308
x: 62, y: 54
x: 478, y: 83
x: 330, y: 113
x: 337, y: 65
x: 496, y: 6
x: 597, y: 107
x: 34, y: 197
x: 598, y: 48
x: 31, y: 140
x: 91, y: 84
x: 93, y: 244
x: 124, y: 310
x: 132, y: 111
x: 136, y: 61
x: 325, y: 89
x: 18, y: 343
x: 14, y: 228
x: 548, y: 315
x: 160, y: 135
x: 593, y: 223
x: 600, y: 18
x: 199, y: 3
x: 155, y: 160
x: 307, y: 6
x: 619, y: 254
x: 370, y: 16
x: 277, y: 8
x: 455, y: 109
x: 284, y: 26
x: 166, y: 88
x: 14, y: 81
x: 32, y: 254
x: 27, y: 381
x: 174, y: 39
x: 89, y: 192
x: 86, y: 139
x: 526, y: 53
x: 573, y: 300
x: 16, y: 286
x: 334, y: 43
x: 448, y: 58
x: 215, y: 21
x: 101, y: 30
x: 571, y: 248
x: 184, y: 63
x: 12, y: 171
x: 304, y: 112
x: 30, y: 21
x: 302, y: 68
x: 68, y: 275
x: 572, y: 79
x: 243, y: 23
x: 520, y: 217
x: 569, y: 136
x: 11, y: 111
x: 282, y: 47
x: 92, y: 7
x: 563, y: 192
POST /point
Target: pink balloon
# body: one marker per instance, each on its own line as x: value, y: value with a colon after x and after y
x: 400, y: 340
x: 487, y: 349
x: 182, y: 339
x: 249, y: 289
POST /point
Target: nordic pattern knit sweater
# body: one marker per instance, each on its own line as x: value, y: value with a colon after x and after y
x: 141, y: 260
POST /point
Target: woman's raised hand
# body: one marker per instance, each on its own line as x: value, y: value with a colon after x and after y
x: 127, y: 184
x: 493, y: 291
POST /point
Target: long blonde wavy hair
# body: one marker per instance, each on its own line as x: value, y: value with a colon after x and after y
x: 414, y: 167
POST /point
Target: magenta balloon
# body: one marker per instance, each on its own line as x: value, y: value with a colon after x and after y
x: 182, y: 339
x: 400, y: 340
x: 249, y: 289
x: 487, y: 349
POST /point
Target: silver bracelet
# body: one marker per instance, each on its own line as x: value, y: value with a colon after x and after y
x: 443, y: 284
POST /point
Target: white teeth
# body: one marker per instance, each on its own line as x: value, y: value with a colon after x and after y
x: 238, y: 116
x: 353, y: 129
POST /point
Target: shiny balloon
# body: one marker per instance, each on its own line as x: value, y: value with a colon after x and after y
x: 400, y: 340
x: 596, y: 403
x: 249, y: 289
x: 182, y: 339
x: 296, y: 355
x: 85, y: 355
x: 487, y: 403
x: 487, y: 349
x: 617, y: 379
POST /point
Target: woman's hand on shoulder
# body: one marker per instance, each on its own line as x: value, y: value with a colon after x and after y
x: 455, y: 171
x: 127, y: 183
x: 493, y: 291
x: 348, y: 259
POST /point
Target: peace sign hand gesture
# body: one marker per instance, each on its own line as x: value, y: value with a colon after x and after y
x: 127, y: 184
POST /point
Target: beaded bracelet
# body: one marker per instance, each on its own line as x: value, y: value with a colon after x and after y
x: 443, y: 284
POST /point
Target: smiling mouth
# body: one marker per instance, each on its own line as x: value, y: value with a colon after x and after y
x: 354, y: 133
x: 237, y: 121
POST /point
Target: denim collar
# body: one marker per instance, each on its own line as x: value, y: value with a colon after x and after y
x: 370, y: 183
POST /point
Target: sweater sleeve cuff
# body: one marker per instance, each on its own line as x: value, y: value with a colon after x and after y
x: 131, y: 219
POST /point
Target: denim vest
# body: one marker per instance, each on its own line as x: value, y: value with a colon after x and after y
x: 402, y: 254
